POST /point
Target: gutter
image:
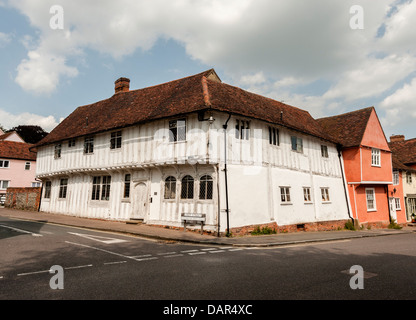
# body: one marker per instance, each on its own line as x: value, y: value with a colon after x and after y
x: 225, y: 126
x: 343, y: 183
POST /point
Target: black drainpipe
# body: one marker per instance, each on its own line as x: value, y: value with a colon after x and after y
x: 225, y: 174
x: 343, y: 183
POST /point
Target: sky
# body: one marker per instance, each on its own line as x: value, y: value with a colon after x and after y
x: 324, y: 56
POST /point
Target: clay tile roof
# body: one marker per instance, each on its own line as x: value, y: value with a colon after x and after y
x: 405, y: 151
x: 195, y: 93
x: 16, y: 150
x: 347, y: 128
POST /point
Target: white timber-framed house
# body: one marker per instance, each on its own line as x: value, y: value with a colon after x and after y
x: 193, y: 145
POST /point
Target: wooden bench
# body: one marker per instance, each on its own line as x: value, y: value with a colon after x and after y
x: 193, y: 218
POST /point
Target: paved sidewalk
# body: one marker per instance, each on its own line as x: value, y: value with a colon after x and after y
x: 160, y: 233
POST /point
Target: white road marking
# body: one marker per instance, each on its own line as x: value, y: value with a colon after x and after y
x: 78, y: 267
x: 187, y: 251
x: 115, y: 262
x: 207, y: 249
x: 175, y: 255
x: 105, y: 240
x: 34, y: 272
x: 217, y: 251
x: 196, y: 253
x: 103, y: 250
x: 22, y: 231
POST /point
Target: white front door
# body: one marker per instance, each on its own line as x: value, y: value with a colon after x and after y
x: 140, y: 201
x: 393, y: 209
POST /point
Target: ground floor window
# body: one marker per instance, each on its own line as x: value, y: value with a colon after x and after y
x: 285, y: 194
x: 325, y: 194
x: 187, y: 191
x: 170, y: 188
x: 63, y: 186
x: 48, y: 187
x: 101, y: 188
x: 371, y: 199
x: 205, y: 188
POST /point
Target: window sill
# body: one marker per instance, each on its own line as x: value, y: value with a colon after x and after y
x: 326, y: 202
x: 371, y: 210
x: 286, y: 203
x: 308, y: 202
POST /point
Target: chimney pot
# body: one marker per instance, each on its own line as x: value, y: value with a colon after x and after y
x: 396, y: 138
x: 122, y: 85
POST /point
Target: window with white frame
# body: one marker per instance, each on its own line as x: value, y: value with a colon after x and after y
x: 409, y: 177
x: 177, y: 130
x: 71, y: 143
x: 285, y: 194
x: 101, y: 188
x: 187, y: 191
x: 396, y: 178
x: 48, y: 187
x: 4, y: 163
x: 397, y: 203
x: 297, y: 144
x: 307, y: 194
x: 170, y: 188
x: 115, y: 140
x: 57, y: 151
x: 206, y: 187
x: 324, y: 151
x: 63, y: 187
x: 4, y: 184
x: 242, y: 130
x: 27, y: 165
x: 375, y: 157
x: 371, y: 199
x: 273, y: 136
x: 127, y: 179
x: 325, y: 194
x: 89, y: 145
x: 35, y: 184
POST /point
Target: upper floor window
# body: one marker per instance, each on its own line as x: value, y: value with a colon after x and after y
x: 71, y: 143
x: 177, y: 130
x: 242, y: 130
x: 170, y: 188
x: 48, y: 187
x: 89, y: 145
x: 115, y: 140
x: 4, y: 184
x: 375, y: 157
x: 205, y: 188
x: 187, y: 191
x: 396, y: 178
x: 57, y: 151
x: 297, y: 144
x: 409, y: 177
x: 273, y: 136
x: 324, y: 151
x: 63, y: 187
x: 4, y: 163
x: 27, y: 166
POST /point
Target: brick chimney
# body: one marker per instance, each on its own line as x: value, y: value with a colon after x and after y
x: 122, y: 85
x: 396, y: 138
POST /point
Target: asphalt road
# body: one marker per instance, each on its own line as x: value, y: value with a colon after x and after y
x: 103, y: 266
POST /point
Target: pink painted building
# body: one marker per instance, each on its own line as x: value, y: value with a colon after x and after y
x: 17, y: 163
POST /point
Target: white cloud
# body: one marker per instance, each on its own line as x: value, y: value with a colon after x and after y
x: 9, y: 120
x: 400, y: 106
x: 274, y: 48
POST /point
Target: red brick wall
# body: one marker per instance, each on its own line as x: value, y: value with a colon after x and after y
x: 23, y: 198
